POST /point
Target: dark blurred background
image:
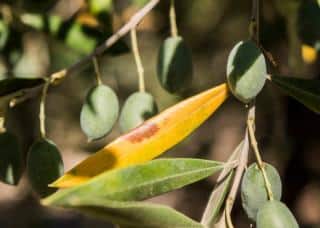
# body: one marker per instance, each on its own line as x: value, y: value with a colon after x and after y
x: 288, y: 133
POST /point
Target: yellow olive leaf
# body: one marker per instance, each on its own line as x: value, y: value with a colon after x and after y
x: 150, y: 139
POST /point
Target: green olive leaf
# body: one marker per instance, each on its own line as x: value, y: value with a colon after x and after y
x: 141, y: 181
x: 220, y: 191
x: 129, y: 214
x: 305, y: 91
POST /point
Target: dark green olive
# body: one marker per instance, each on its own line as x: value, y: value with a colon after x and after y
x: 10, y: 159
x: 275, y: 214
x: 175, y: 65
x: 139, y: 107
x: 253, y: 191
x: 99, y: 112
x: 246, y: 71
x: 44, y: 165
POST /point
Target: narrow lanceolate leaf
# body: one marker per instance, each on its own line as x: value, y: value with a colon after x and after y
x: 220, y: 192
x: 305, y: 91
x: 130, y: 214
x: 141, y: 181
x: 150, y: 139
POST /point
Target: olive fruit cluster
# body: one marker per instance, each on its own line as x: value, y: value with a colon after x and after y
x: 246, y: 71
x: 100, y: 111
x: 258, y: 207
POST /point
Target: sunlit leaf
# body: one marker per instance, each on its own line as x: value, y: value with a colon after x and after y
x: 305, y: 91
x: 141, y: 181
x: 150, y: 139
x: 129, y: 214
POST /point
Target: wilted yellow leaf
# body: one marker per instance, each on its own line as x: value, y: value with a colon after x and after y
x: 150, y: 139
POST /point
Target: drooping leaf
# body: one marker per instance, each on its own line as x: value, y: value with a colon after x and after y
x: 305, y: 91
x: 129, y: 214
x: 219, y: 193
x: 141, y: 181
x: 150, y: 139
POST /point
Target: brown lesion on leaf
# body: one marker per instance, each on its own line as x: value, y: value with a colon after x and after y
x: 141, y: 133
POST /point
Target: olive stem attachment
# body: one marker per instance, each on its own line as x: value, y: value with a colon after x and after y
x: 254, y: 144
x: 254, y: 26
x: 242, y: 164
x: 173, y: 21
x: 137, y: 58
x: 42, y: 115
x: 97, y: 70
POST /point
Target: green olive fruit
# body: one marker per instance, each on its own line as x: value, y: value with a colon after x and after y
x: 174, y: 65
x: 10, y: 159
x: 99, y: 112
x: 253, y: 191
x: 44, y: 165
x: 139, y: 107
x: 309, y: 22
x: 246, y: 71
x: 275, y: 214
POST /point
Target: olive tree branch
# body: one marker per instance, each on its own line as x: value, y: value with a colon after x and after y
x: 57, y: 77
x: 243, y: 160
x: 132, y: 23
x: 137, y: 58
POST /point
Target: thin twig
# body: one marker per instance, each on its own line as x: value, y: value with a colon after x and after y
x: 254, y: 144
x: 243, y: 160
x: 57, y: 77
x: 97, y: 71
x: 137, y: 58
x: 255, y: 21
x: 42, y: 115
x: 211, y: 211
x: 132, y: 23
x: 173, y: 21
